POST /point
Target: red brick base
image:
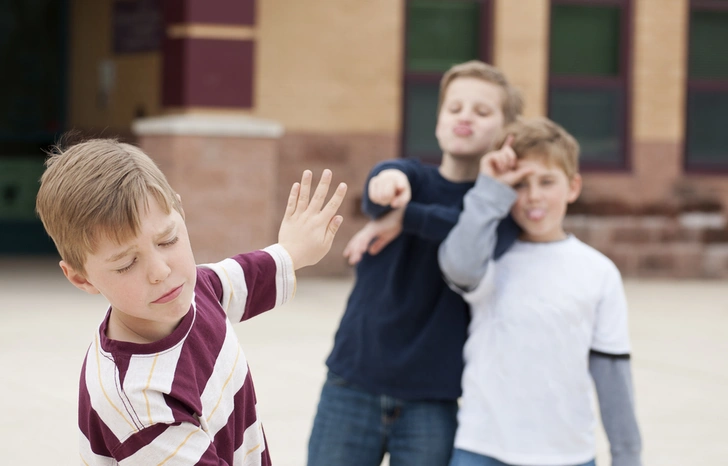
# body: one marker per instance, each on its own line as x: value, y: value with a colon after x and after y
x: 234, y: 189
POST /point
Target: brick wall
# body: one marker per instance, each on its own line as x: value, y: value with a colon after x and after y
x: 681, y: 245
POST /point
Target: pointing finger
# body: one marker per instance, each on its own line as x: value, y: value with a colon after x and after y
x: 507, y: 143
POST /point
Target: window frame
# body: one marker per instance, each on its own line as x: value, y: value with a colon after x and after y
x: 701, y: 84
x: 623, y: 81
x: 485, y: 48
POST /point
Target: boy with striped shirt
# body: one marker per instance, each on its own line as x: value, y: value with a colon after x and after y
x: 164, y: 380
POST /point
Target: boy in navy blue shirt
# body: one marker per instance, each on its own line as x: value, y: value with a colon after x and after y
x: 395, y: 369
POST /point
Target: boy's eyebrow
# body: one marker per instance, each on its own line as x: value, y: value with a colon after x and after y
x: 119, y: 255
x: 167, y: 231
x: 170, y: 228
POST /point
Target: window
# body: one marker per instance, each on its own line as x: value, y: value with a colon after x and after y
x: 589, y: 77
x: 707, y: 93
x: 439, y: 34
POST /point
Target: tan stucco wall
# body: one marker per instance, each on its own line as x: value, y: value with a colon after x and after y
x: 137, y: 75
x: 325, y: 66
x: 520, y: 48
x: 330, y: 65
x: 659, y: 69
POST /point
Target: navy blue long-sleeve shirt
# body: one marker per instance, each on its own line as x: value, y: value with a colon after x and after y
x: 404, y: 329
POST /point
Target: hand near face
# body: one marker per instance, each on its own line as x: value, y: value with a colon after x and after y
x: 375, y: 236
x: 390, y: 188
x: 308, y: 227
x: 502, y: 165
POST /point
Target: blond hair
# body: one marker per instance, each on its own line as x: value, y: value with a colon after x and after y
x: 541, y: 137
x: 98, y: 187
x: 512, y: 100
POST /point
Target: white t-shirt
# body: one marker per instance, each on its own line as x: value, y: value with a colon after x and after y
x: 527, y: 393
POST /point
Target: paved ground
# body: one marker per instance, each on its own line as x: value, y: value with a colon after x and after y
x: 679, y: 332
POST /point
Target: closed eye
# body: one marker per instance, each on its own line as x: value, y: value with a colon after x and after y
x: 482, y: 111
x: 454, y: 108
x: 127, y: 268
x: 171, y: 242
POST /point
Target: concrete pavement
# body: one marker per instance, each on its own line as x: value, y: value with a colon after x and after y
x: 679, y: 333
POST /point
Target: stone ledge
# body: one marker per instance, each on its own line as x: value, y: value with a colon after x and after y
x: 208, y: 125
x: 616, y: 208
x: 689, y: 245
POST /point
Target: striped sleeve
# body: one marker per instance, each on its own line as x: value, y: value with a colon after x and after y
x: 255, y: 282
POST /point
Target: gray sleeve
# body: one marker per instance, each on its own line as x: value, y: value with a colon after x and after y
x: 613, y: 380
x: 465, y: 253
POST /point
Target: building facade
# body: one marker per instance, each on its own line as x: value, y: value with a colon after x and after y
x: 234, y: 99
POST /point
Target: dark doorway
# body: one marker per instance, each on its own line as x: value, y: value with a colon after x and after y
x: 33, y: 38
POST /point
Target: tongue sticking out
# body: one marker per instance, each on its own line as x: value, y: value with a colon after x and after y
x: 535, y: 214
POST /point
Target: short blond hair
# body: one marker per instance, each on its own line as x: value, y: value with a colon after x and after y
x: 541, y: 137
x: 512, y: 100
x: 98, y: 187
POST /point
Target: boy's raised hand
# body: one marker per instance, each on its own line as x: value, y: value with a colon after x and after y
x: 374, y: 236
x: 390, y: 188
x: 308, y: 227
x: 502, y: 164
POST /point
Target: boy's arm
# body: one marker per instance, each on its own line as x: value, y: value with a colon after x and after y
x: 430, y: 222
x: 434, y: 222
x: 613, y: 381
x: 249, y: 284
x: 465, y: 253
x: 610, y: 367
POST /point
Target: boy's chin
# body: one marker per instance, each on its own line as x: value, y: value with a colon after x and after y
x: 465, y: 154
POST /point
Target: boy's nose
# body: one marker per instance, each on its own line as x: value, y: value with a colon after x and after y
x: 159, y: 271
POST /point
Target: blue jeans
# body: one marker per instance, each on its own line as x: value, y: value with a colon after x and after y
x: 466, y: 458
x: 355, y: 428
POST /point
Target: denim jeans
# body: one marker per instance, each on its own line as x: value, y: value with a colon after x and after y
x: 355, y: 428
x: 466, y: 458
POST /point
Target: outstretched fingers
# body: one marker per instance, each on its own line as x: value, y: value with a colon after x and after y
x: 305, y: 191
x: 321, y: 191
x: 292, y: 199
x: 333, y: 227
x: 336, y: 200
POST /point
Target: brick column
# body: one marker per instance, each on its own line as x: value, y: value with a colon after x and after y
x: 222, y: 161
x: 208, y: 54
x: 521, y: 42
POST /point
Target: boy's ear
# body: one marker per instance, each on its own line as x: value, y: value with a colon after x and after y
x: 574, y: 188
x: 77, y: 279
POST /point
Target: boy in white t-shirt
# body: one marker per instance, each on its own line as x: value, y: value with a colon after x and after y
x: 545, y: 315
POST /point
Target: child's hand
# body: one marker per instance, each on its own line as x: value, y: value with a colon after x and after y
x: 307, y: 229
x: 375, y: 235
x: 390, y: 188
x: 502, y: 165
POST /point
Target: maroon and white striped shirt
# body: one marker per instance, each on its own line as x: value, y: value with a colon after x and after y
x: 187, y: 399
